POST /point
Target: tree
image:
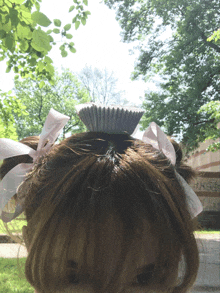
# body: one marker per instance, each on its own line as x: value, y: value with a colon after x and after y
x: 40, y: 97
x: 213, y: 110
x: 215, y: 37
x: 101, y: 86
x: 24, y: 41
x: 8, y: 104
x: 187, y: 63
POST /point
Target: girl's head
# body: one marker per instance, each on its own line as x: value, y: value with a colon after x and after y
x: 106, y: 213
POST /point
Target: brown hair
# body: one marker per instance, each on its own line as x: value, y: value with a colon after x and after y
x: 89, y: 178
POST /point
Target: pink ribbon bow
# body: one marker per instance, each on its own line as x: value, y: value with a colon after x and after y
x: 8, y: 148
x: 154, y: 136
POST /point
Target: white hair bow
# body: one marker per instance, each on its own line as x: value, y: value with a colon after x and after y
x: 8, y: 148
x: 154, y: 136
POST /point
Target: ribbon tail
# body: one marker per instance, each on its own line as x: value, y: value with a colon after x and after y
x: 194, y: 204
x: 52, y: 128
x: 155, y: 136
x: 8, y: 188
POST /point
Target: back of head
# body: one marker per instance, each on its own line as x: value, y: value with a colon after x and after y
x: 96, y: 206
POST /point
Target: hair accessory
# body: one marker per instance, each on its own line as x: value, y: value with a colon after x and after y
x: 109, y: 119
x: 8, y: 148
x: 117, y: 119
x: 157, y: 138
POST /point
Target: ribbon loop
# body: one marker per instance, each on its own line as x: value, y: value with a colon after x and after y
x: 53, y: 126
x: 10, y: 148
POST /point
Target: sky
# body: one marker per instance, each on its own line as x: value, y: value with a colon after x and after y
x: 98, y: 44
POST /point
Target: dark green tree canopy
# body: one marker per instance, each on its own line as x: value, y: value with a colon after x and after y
x: 213, y: 110
x: 188, y: 62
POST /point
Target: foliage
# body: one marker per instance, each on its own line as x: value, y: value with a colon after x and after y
x: 101, y: 86
x: 213, y: 109
x: 40, y: 96
x: 14, y: 227
x: 171, y: 37
x: 215, y: 37
x: 12, y: 277
x: 7, y: 123
x: 25, y: 43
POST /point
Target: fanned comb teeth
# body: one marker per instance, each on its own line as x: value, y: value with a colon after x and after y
x: 110, y: 119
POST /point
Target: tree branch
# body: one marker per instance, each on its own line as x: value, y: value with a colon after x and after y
x: 41, y: 106
x: 71, y: 126
x: 205, y: 121
x: 210, y: 44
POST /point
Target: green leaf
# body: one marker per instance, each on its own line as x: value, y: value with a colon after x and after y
x: 24, y: 45
x: 32, y: 62
x: 15, y: 69
x: 2, y: 34
x: 42, y: 83
x: 37, y: 5
x: 85, y: 2
x: 51, y: 38
x: 83, y: 20
x: 8, y: 69
x: 77, y: 24
x: 41, y: 41
x: 9, y: 42
x: 14, y: 16
x: 25, y: 14
x: 49, y: 32
x: 69, y: 36
x: 57, y: 22
x: 73, y: 50
x: 56, y: 30
x: 50, y: 69
x: 24, y: 32
x: 40, y: 66
x: 64, y: 53
x: 67, y: 27
x: 4, y: 8
x: 71, y: 44
x: 7, y: 18
x: 18, y: 1
x: 41, y: 18
x: 7, y: 27
x: 71, y: 8
x: 48, y: 59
